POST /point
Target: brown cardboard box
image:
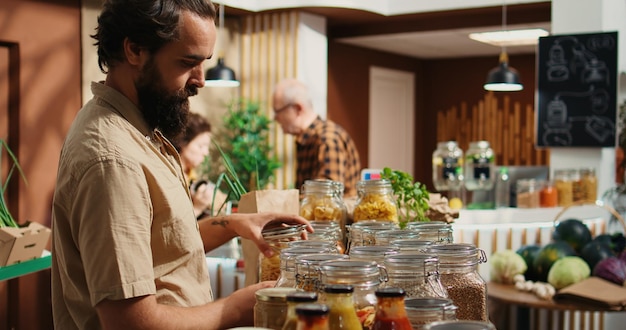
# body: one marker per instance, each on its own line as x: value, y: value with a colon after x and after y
x: 22, y: 244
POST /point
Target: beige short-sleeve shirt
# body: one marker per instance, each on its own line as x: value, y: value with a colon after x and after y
x: 123, y: 224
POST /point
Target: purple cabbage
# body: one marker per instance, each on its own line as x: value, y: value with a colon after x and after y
x: 612, y: 269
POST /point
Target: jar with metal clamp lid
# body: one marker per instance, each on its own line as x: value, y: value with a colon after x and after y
x: 307, y: 269
x: 270, y: 308
x: 373, y: 252
x: 435, y: 231
x: 417, y: 274
x: 328, y: 231
x: 287, y: 277
x: 384, y: 237
x: 362, y: 233
x: 458, y: 268
x: 365, y: 276
x: 460, y: 325
x: 278, y: 239
x: 322, y: 201
x: 411, y: 244
x: 423, y: 311
x: 375, y: 201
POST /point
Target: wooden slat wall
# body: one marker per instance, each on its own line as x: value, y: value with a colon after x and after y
x: 509, y: 128
x: 268, y: 55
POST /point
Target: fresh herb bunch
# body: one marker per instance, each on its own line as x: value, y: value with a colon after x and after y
x: 6, y: 219
x: 411, y: 197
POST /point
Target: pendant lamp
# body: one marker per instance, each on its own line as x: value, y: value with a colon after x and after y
x: 503, y: 78
x: 221, y: 75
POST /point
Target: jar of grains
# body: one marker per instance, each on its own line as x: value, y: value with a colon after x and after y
x: 458, y: 267
x: 307, y: 269
x: 422, y: 311
x: 322, y: 200
x: 435, y: 231
x: 372, y: 253
x: 365, y: 276
x: 278, y: 239
x: 375, y: 201
x: 287, y: 277
x: 528, y: 193
x: 448, y: 166
x: 417, y: 274
x: 270, y: 309
x: 362, y: 233
x: 564, y: 187
x: 589, y: 183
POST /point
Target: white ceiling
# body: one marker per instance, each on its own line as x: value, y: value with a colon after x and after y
x: 442, y: 44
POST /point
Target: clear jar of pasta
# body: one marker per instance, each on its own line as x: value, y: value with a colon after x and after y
x: 278, y: 239
x: 375, y: 201
x: 589, y: 184
x: 322, y: 200
x: 564, y: 186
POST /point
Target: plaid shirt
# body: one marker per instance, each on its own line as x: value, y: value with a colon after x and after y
x: 325, y: 150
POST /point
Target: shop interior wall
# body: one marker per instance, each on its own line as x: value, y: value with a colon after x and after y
x: 48, y: 34
x: 441, y: 84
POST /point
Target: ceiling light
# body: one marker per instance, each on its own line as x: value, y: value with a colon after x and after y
x: 522, y: 37
x: 503, y: 78
x: 221, y: 75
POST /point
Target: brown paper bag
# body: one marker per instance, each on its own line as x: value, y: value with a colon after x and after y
x: 282, y: 201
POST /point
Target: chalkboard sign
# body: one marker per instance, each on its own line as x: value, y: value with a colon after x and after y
x: 577, y: 90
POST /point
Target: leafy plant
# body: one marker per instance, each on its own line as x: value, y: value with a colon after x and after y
x: 245, y: 139
x: 6, y: 219
x: 411, y: 197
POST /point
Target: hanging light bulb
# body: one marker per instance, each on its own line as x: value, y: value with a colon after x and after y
x: 221, y: 75
x: 503, y: 78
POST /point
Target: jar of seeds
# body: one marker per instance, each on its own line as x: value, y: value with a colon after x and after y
x: 417, y: 274
x: 458, y: 267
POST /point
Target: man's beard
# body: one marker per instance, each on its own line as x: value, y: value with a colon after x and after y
x: 164, y: 110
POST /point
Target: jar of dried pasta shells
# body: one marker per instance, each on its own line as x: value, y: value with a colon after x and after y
x: 278, y: 238
x: 375, y: 201
x: 322, y: 200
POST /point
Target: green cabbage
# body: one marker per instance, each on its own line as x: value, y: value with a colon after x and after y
x: 567, y: 271
x: 504, y: 265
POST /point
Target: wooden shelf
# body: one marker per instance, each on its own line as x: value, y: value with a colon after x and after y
x: 26, y: 267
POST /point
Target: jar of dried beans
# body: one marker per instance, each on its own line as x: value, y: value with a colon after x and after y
x: 458, y: 267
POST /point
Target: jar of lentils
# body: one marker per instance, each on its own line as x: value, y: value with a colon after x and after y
x: 458, y: 267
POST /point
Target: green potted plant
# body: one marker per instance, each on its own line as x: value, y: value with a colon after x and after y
x: 411, y: 197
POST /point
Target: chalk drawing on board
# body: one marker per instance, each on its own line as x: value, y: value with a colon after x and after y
x: 583, y: 62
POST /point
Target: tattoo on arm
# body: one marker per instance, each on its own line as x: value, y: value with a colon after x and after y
x: 220, y: 222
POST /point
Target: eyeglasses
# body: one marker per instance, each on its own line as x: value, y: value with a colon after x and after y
x: 288, y: 105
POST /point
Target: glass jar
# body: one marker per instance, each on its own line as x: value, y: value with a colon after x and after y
x: 548, y: 196
x: 365, y: 276
x: 375, y: 252
x: 435, y: 231
x: 328, y: 231
x: 423, y: 311
x: 460, y: 325
x: 307, y: 269
x: 375, y: 201
x: 338, y: 297
x: 390, y: 310
x: 362, y: 233
x: 322, y: 201
x: 564, y: 187
x: 458, y: 268
x: 448, y: 166
x: 479, y: 166
x: 294, y: 299
x: 287, y: 277
x: 270, y: 308
x: 411, y: 245
x: 589, y: 184
x: 528, y: 193
x: 384, y: 237
x: 312, y: 316
x: 578, y: 194
x: 416, y: 274
x: 278, y: 239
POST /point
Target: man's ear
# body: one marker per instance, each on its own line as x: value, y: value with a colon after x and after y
x: 132, y: 52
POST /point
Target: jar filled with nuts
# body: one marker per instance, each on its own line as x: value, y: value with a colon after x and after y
x: 417, y: 274
x: 278, y: 239
x: 458, y: 267
x: 375, y: 201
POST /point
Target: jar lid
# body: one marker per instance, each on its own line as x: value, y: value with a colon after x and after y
x: 373, y: 250
x: 411, y: 243
x: 429, y: 303
x: 338, y: 288
x: 302, y: 296
x: 390, y: 292
x: 375, y: 224
x: 455, y: 253
x: 428, y: 225
x: 317, y: 258
x: 382, y: 183
x: 348, y: 267
x: 273, y: 294
x: 396, y: 233
x: 415, y: 259
x: 283, y: 232
x: 459, y: 325
x: 312, y: 309
x: 324, y: 246
x: 292, y: 252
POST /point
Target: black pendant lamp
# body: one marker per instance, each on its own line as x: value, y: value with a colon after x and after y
x: 503, y: 78
x: 221, y: 75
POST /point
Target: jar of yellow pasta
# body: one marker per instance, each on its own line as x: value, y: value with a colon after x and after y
x: 375, y: 201
x: 278, y: 238
x: 322, y: 200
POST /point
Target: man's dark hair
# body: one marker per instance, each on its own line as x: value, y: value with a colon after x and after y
x: 148, y: 23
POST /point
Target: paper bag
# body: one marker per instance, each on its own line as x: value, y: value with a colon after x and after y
x: 281, y: 201
x: 594, y: 291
